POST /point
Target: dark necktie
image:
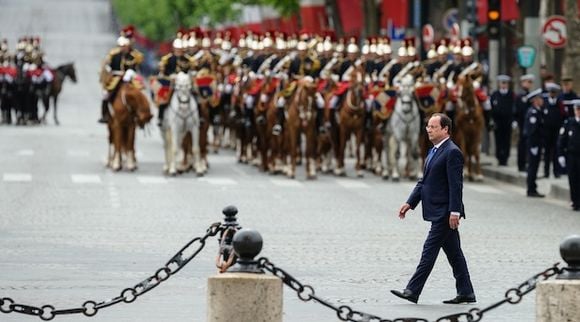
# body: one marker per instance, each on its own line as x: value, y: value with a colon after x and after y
x: 429, y: 157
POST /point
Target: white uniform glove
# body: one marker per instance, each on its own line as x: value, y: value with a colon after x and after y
x: 562, y: 161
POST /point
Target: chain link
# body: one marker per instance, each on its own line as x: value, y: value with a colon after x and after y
x: 128, y: 295
x: 346, y: 313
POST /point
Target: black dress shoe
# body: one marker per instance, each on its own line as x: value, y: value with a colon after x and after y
x: 461, y: 299
x: 407, y: 295
x: 535, y: 194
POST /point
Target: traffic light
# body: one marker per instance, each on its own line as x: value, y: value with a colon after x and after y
x: 494, y: 19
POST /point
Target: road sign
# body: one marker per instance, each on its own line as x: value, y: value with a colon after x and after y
x: 449, y: 18
x: 526, y: 56
x: 554, y: 32
x: 428, y: 35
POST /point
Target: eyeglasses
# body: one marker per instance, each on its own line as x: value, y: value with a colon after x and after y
x: 432, y: 127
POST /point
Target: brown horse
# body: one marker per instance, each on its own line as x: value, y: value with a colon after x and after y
x: 301, y: 119
x: 351, y: 121
x: 269, y: 146
x: 129, y: 109
x: 469, y: 122
x: 55, y: 87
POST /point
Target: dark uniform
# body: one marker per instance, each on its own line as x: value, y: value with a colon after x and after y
x: 553, y: 111
x: 569, y: 147
x: 520, y: 110
x: 117, y: 63
x: 567, y: 99
x: 533, y: 138
x: 502, y: 112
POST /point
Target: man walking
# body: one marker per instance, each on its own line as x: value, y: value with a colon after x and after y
x: 440, y: 191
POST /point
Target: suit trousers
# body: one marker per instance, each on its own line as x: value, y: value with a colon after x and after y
x: 442, y: 236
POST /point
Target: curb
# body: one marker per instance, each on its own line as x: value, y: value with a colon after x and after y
x: 556, y: 190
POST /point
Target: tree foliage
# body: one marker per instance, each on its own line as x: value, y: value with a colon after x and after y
x: 159, y: 19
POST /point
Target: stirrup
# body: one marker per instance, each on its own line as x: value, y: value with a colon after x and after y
x: 277, y: 129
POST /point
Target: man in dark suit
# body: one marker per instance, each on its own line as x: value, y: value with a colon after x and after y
x: 440, y: 190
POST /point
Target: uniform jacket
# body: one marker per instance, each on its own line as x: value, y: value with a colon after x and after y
x: 533, y: 127
x: 441, y: 188
x: 569, y: 138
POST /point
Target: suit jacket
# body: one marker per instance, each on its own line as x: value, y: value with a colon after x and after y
x: 441, y: 188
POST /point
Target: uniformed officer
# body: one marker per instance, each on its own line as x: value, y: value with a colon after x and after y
x: 569, y: 153
x: 171, y: 64
x: 118, y: 61
x: 502, y: 102
x: 533, y: 136
x: 568, y: 95
x: 521, y: 108
x: 554, y: 116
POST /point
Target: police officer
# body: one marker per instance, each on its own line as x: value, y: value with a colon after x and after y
x: 502, y: 102
x: 533, y: 136
x: 568, y: 95
x: 569, y: 153
x: 521, y: 108
x: 554, y: 116
x: 117, y: 62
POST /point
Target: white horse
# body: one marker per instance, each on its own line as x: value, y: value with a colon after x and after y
x: 181, y: 117
x: 404, y: 127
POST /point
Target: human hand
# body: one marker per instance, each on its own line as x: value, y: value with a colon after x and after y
x: 454, y: 221
x: 403, y: 210
x: 562, y: 161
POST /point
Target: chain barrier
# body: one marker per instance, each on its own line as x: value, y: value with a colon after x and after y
x: 128, y: 295
x: 306, y: 293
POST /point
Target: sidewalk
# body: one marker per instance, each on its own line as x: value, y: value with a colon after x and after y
x: 557, y: 188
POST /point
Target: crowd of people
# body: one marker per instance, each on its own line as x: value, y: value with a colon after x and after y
x: 24, y: 79
x: 277, y: 61
x: 546, y: 118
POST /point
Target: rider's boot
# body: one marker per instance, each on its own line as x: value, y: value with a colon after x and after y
x: 104, y: 112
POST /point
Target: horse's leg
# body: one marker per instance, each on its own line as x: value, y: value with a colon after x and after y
x: 166, y: 134
x: 117, y: 142
x: 55, y: 109
x: 359, y: 136
x: 393, y: 161
x: 343, y: 138
x: 195, y: 134
x: 378, y: 147
x: 292, y: 145
x: 130, y: 147
x: 46, y: 104
x: 175, y: 143
x: 311, y: 150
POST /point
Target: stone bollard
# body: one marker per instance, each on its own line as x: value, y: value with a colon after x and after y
x: 244, y: 293
x: 559, y: 300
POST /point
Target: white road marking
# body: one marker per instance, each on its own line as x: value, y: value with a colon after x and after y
x: 287, y: 183
x: 85, y: 178
x: 78, y: 153
x: 26, y: 153
x: 483, y: 189
x: 352, y: 184
x: 220, y: 181
x: 17, y: 177
x: 151, y: 180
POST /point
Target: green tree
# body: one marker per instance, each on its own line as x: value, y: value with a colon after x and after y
x: 159, y: 20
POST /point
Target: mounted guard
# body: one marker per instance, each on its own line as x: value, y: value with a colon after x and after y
x: 119, y: 60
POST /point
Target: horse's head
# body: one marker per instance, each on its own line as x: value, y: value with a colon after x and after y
x: 137, y: 102
x: 68, y: 70
x: 357, y: 86
x: 406, y: 90
x: 182, y: 86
